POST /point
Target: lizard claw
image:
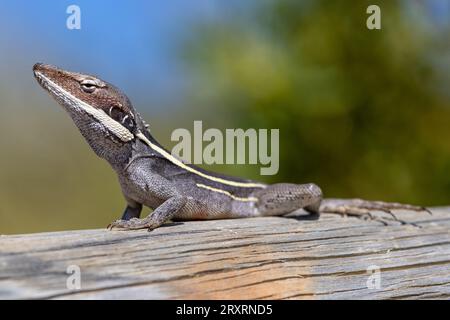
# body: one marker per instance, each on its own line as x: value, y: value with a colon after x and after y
x: 114, y: 224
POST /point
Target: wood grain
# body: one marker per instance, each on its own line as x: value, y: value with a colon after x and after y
x: 260, y: 258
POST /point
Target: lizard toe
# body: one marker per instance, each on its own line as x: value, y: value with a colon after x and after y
x: 132, y: 224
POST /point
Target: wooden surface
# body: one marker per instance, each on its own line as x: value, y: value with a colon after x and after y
x: 236, y: 259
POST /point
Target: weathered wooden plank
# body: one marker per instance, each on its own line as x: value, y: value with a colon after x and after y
x: 272, y: 258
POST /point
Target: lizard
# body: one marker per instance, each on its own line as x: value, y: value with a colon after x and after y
x: 151, y: 176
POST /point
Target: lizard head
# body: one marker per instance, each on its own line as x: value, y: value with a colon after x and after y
x: 103, y: 114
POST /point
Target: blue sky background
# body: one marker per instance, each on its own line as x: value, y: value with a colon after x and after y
x: 134, y: 44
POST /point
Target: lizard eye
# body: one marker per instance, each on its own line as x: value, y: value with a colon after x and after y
x: 88, y: 85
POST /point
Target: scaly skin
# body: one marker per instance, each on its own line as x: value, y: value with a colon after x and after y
x: 150, y: 176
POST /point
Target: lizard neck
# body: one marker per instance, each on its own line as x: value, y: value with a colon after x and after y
x: 139, y: 148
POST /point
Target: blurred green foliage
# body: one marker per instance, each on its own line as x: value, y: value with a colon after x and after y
x: 363, y: 113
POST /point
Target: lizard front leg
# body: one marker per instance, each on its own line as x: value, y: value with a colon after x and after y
x: 164, y: 212
x: 142, y: 184
x: 133, y: 210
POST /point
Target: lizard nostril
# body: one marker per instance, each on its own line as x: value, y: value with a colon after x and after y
x: 37, y: 66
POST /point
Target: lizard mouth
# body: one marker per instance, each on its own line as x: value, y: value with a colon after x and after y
x: 37, y: 73
x: 39, y: 70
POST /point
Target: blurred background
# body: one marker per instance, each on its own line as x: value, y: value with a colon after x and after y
x: 363, y: 113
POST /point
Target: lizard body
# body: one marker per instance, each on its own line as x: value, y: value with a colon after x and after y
x: 150, y: 176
